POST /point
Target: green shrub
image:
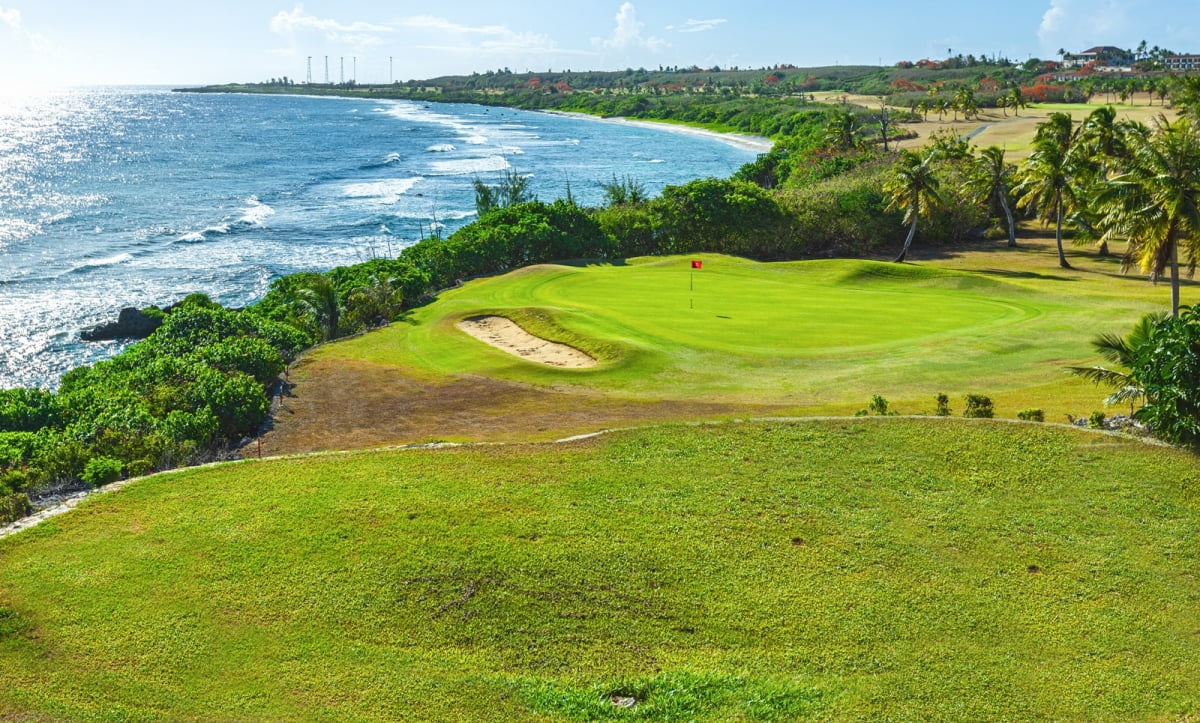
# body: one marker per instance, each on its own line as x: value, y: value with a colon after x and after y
x: 879, y: 405
x: 1166, y: 366
x: 1031, y: 415
x: 139, y: 467
x: 100, y: 471
x: 978, y: 407
x: 943, y: 405
x: 13, y: 507
x: 1096, y: 420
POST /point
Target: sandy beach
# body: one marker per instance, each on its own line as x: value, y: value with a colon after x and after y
x: 738, y: 140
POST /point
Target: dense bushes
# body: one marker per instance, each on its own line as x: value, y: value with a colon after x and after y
x: 197, y: 381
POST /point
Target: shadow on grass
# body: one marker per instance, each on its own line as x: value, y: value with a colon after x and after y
x: 1023, y: 275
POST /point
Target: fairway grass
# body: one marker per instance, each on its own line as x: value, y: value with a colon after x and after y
x: 1015, y: 133
x: 867, y: 569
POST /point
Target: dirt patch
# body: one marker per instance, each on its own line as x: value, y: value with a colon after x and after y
x: 504, y: 333
x: 355, y: 405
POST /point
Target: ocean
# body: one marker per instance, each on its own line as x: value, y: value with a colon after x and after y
x: 113, y: 197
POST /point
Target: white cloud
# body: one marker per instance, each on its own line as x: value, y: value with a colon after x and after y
x: 628, y: 33
x: 483, y: 39
x: 354, y: 34
x: 1079, y: 24
x: 11, y: 17
x: 697, y: 26
x: 429, y: 22
x: 439, y: 34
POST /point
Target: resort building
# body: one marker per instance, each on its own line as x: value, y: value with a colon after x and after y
x: 1182, y: 63
x: 1102, y: 55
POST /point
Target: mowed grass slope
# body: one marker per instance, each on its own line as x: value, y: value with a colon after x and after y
x: 867, y: 569
x: 812, y: 336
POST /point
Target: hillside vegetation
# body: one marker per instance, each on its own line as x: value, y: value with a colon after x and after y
x: 879, y: 569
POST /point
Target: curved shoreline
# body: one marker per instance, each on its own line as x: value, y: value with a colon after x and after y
x: 737, y: 140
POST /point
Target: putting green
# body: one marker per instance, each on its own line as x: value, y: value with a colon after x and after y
x: 722, y: 307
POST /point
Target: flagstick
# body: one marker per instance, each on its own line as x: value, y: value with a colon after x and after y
x: 691, y: 288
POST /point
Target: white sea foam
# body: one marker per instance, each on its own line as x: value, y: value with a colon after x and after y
x: 256, y: 212
x: 391, y: 158
x: 441, y: 148
x: 475, y: 139
x: 384, y: 192
x: 425, y: 215
x: 467, y: 166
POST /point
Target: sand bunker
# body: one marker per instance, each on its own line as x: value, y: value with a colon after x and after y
x: 504, y: 334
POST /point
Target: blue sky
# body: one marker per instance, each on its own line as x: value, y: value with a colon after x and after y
x: 88, y: 42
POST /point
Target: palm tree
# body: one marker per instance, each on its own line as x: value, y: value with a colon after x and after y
x: 843, y: 130
x: 1185, y: 95
x: 923, y: 109
x: 377, y: 302
x: 1121, y: 351
x: 1102, y: 145
x: 1045, y: 180
x: 320, y: 298
x: 1016, y: 101
x: 913, y: 186
x: 989, y: 180
x: 1155, y: 204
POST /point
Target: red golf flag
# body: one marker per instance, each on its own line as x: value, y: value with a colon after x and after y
x: 697, y: 264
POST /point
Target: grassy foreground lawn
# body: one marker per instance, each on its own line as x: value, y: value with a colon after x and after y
x: 814, y: 336
x: 867, y: 569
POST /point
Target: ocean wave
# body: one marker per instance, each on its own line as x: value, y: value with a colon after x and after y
x: 452, y: 215
x: 475, y: 139
x: 467, y: 166
x: 256, y: 212
x: 390, y: 159
x: 254, y: 215
x: 388, y: 191
x: 441, y: 148
x: 100, y: 263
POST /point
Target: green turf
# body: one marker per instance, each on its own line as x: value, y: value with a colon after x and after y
x: 811, y: 334
x: 878, y: 569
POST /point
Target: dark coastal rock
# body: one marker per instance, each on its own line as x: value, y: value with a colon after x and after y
x: 130, y: 324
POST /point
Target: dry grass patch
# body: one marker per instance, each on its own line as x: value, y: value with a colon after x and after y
x: 335, y: 404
